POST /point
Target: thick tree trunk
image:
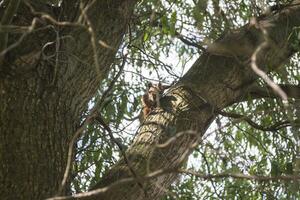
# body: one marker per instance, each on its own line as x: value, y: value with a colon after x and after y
x: 41, y: 100
x: 45, y: 84
x: 220, y: 77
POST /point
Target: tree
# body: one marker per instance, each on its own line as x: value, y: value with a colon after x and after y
x: 58, y: 56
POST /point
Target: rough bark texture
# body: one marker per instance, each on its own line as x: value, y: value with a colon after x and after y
x: 220, y: 77
x: 45, y: 84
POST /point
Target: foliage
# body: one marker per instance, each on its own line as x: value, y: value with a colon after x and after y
x: 161, y: 44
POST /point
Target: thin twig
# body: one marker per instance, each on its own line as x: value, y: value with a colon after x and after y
x: 120, y: 146
x: 9, y: 13
x: 89, y: 119
x: 79, y: 131
x: 273, y: 127
x: 162, y: 172
x: 93, y: 39
x: 48, y: 17
x: 29, y: 30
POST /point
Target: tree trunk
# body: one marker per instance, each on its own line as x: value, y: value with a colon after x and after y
x: 46, y: 82
x: 219, y: 78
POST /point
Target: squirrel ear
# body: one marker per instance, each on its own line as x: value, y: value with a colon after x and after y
x: 149, y: 85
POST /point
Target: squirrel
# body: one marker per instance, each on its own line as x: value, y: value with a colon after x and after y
x: 151, y: 99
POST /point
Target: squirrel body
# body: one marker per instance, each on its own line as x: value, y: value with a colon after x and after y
x: 151, y: 99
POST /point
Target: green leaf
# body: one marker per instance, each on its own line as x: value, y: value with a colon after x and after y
x: 173, y: 23
x: 164, y: 23
x: 146, y: 36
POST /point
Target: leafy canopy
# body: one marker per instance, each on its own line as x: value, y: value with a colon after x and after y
x: 163, y: 40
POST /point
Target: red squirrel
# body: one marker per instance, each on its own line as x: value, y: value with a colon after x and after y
x: 151, y: 99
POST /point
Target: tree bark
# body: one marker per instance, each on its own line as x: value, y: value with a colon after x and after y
x: 46, y: 82
x: 41, y: 100
x: 219, y: 78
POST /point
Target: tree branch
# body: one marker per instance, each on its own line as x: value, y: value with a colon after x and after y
x: 217, y: 79
x: 241, y: 176
x: 274, y: 127
x: 189, y: 42
x: 122, y: 151
x: 162, y: 172
x: 256, y: 91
